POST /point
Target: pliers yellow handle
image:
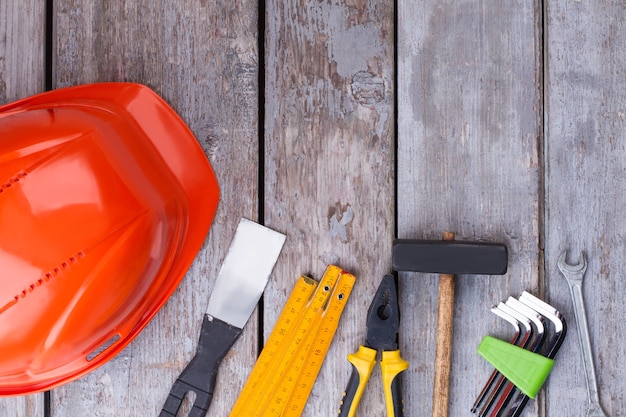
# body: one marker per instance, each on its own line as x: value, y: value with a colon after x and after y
x: 383, y: 321
x: 363, y: 362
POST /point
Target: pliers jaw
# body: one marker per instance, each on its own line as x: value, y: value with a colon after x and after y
x: 383, y: 317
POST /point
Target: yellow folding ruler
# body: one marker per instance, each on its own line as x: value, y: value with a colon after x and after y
x: 283, y: 376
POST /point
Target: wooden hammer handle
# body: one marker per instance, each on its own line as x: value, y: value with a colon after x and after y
x: 443, y: 350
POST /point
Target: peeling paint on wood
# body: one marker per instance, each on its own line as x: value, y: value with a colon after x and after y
x: 506, y: 133
x: 203, y: 60
x: 585, y: 172
x: 329, y: 164
x: 469, y: 121
x: 339, y: 221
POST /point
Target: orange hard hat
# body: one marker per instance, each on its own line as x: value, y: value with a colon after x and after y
x: 105, y: 199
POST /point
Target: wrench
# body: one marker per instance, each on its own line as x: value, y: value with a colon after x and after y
x: 574, y: 276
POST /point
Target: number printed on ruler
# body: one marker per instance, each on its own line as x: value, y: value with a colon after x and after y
x: 271, y: 400
x: 285, y: 372
x: 317, y: 353
x: 294, y: 307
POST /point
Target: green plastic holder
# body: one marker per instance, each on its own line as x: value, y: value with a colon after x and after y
x: 527, y: 370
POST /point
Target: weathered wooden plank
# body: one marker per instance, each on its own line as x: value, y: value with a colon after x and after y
x: 329, y: 170
x: 22, y: 73
x: 22, y: 49
x: 469, y: 114
x: 202, y: 58
x: 586, y: 161
x: 26, y: 406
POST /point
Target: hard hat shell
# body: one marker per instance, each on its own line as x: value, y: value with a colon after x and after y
x: 105, y: 199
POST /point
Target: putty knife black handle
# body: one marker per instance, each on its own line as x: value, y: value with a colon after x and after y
x: 216, y: 338
x: 449, y: 257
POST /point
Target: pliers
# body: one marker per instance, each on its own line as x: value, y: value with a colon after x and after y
x: 383, y: 320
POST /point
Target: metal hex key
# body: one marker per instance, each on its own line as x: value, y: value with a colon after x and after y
x: 495, y: 374
x: 525, y: 340
x: 574, y: 275
x: 532, y: 314
x: 535, y: 346
x: 515, y: 406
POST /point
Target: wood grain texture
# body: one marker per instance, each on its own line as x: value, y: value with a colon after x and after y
x: 469, y: 115
x: 329, y: 169
x: 22, y: 49
x: 22, y: 73
x: 474, y: 155
x: 202, y: 58
x: 24, y: 406
x: 585, y: 173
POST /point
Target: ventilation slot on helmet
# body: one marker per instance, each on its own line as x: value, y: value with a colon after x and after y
x: 12, y: 181
x: 53, y: 273
x: 103, y: 347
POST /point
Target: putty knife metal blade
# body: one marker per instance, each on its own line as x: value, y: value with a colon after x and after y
x: 238, y: 287
x: 244, y: 273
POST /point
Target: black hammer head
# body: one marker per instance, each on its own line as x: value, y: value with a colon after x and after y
x: 449, y: 257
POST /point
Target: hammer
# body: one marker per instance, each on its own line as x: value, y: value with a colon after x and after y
x: 447, y: 257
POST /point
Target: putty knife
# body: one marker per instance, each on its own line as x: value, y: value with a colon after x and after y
x: 238, y: 287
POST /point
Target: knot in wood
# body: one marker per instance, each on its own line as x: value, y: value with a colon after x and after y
x: 368, y: 88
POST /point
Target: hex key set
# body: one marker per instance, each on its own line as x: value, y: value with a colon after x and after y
x: 539, y: 330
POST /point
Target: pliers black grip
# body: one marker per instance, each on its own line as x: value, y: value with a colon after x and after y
x: 383, y: 320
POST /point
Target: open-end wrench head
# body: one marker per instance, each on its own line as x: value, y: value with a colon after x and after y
x: 566, y: 268
x: 595, y: 410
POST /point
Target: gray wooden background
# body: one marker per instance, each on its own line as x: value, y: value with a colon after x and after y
x: 346, y: 124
